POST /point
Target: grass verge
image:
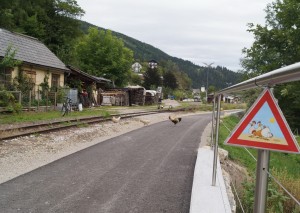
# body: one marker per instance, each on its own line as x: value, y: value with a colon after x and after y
x: 50, y: 115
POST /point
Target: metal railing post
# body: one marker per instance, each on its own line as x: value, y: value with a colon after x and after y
x: 216, y: 142
x: 212, y: 124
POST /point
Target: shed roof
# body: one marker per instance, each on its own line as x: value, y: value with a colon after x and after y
x: 77, y: 71
x: 29, y: 50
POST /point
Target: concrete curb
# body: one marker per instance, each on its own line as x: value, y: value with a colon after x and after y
x: 205, y: 197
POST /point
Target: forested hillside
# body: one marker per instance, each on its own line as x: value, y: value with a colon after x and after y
x: 220, y: 77
x: 56, y: 23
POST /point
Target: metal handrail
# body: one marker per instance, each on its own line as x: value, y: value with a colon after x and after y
x: 282, y: 75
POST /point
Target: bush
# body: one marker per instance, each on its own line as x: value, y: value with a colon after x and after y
x: 8, y: 101
x: 292, y: 184
x: 42, y: 102
x: 6, y: 98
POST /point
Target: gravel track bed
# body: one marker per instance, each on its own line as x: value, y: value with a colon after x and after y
x: 24, y: 154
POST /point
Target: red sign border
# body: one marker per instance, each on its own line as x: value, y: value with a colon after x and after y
x: 268, y: 97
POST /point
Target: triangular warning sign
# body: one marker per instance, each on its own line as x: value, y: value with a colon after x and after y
x: 264, y: 127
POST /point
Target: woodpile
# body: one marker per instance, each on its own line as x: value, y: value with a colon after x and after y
x: 136, y: 96
x: 114, y: 97
x: 151, y: 98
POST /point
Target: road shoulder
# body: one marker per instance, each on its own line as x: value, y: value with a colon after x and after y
x: 205, y: 197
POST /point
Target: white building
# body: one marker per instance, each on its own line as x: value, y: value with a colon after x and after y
x: 136, y: 67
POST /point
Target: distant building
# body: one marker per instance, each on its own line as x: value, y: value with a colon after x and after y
x: 136, y: 67
x: 196, y: 92
x: 153, y: 64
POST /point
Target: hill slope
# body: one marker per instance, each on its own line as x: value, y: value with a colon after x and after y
x: 220, y: 77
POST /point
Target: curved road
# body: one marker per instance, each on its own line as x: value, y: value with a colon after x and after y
x: 147, y: 170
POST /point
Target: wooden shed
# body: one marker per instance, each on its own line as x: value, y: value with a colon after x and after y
x: 90, y: 86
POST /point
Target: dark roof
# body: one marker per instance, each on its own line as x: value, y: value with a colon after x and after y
x: 153, y: 61
x: 29, y: 50
x: 86, y: 75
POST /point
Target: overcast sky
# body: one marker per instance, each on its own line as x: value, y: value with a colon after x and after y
x: 195, y: 30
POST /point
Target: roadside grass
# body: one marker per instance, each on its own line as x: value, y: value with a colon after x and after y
x: 50, y: 115
x: 284, y: 167
x: 227, y: 106
x: 105, y: 111
x: 208, y: 107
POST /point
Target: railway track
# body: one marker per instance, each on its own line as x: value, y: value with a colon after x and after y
x: 51, y: 126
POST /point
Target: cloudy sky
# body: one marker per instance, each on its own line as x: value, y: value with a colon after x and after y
x: 210, y: 31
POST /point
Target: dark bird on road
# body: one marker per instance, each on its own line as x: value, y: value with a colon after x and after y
x: 175, y: 120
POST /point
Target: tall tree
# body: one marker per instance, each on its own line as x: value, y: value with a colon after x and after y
x: 277, y: 44
x: 101, y: 54
x: 51, y: 21
x: 181, y: 81
x: 170, y: 80
x: 152, y: 78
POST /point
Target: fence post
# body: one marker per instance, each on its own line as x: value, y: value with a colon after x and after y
x: 29, y: 104
x: 20, y: 97
x: 55, y: 94
x: 47, y: 101
x: 38, y: 100
x: 216, y: 142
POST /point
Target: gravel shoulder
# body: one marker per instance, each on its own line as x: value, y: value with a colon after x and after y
x: 24, y: 154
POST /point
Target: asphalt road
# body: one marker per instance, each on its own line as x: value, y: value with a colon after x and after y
x: 147, y: 170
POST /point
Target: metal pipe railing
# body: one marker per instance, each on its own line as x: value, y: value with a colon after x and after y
x: 283, y: 75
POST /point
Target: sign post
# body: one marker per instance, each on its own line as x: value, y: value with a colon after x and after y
x: 261, y: 185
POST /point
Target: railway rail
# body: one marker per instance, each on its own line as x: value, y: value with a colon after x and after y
x: 51, y: 126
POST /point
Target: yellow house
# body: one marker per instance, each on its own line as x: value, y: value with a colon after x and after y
x: 37, y: 60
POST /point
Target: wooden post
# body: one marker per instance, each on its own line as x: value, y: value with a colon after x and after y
x: 20, y: 97
x: 55, y: 100
x: 47, y: 101
x: 38, y: 103
x: 29, y: 104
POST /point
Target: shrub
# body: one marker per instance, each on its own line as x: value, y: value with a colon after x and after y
x: 6, y: 98
x: 292, y: 184
x: 8, y: 101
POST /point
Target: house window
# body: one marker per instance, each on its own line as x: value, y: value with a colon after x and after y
x: 55, y: 81
x: 6, y: 76
x: 31, y: 75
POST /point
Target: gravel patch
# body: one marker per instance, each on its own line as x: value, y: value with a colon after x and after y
x: 24, y: 154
